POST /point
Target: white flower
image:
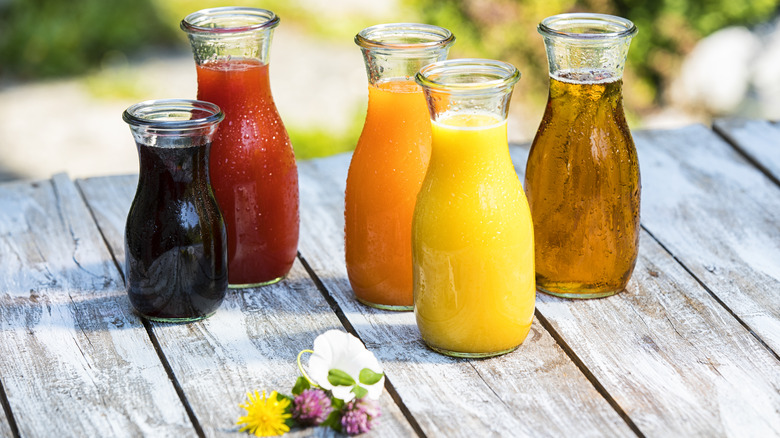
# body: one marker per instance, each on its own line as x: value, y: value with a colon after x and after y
x: 343, y: 358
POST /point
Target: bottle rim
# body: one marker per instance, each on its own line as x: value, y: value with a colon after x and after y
x: 229, y: 20
x: 173, y: 114
x: 587, y: 26
x: 404, y: 36
x: 468, y: 75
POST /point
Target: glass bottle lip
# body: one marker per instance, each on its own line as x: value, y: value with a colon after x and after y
x: 468, y: 75
x: 229, y: 20
x: 587, y: 26
x: 404, y: 36
x: 173, y: 114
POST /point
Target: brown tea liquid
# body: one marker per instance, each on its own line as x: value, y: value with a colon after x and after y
x: 583, y: 188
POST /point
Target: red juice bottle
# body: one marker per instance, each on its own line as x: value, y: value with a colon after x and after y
x: 253, y: 168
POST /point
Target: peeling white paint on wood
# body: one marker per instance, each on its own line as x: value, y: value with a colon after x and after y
x: 666, y: 352
x: 672, y: 357
x: 719, y: 216
x: 758, y: 139
x: 74, y: 360
x: 5, y: 425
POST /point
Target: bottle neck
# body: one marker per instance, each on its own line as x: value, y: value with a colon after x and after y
x: 604, y: 57
x: 397, y: 51
x: 209, y: 48
x: 388, y: 65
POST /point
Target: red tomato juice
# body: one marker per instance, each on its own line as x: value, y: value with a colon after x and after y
x: 253, y: 172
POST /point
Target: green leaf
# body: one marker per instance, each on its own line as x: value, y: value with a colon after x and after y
x: 359, y: 391
x: 337, y: 403
x: 290, y: 422
x: 340, y: 378
x: 369, y: 377
x: 300, y: 385
x: 333, y: 421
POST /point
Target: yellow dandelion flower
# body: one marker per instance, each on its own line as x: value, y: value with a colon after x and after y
x: 265, y: 416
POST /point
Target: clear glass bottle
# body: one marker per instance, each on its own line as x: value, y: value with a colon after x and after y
x: 175, y: 238
x: 472, y: 236
x: 582, y: 176
x: 389, y: 162
x: 253, y: 166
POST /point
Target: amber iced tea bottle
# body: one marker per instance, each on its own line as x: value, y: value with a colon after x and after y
x: 582, y: 176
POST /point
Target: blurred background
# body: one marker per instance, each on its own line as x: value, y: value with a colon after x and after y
x: 69, y: 68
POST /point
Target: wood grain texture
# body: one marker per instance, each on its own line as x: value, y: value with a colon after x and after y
x: 672, y: 357
x: 720, y: 217
x: 74, y: 359
x: 5, y: 423
x: 676, y: 361
x: 758, y: 139
x: 534, y: 391
x: 250, y: 343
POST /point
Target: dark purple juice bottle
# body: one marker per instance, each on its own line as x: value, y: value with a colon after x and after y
x: 175, y: 238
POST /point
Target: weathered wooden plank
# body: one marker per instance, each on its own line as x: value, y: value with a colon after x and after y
x: 534, y: 391
x: 74, y: 359
x: 5, y: 422
x: 720, y: 217
x: 676, y: 361
x: 250, y: 343
x: 758, y: 139
x: 671, y: 356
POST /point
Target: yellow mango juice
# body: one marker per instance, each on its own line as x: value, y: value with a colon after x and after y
x: 472, y: 242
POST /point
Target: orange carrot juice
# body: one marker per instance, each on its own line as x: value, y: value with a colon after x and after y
x: 472, y: 241
x: 386, y: 172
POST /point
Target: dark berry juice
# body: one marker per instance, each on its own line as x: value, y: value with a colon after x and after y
x: 175, y: 238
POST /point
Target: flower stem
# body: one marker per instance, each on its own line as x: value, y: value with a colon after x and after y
x: 300, y: 368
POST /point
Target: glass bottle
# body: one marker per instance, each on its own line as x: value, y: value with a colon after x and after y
x: 253, y: 167
x: 472, y: 236
x: 389, y: 162
x: 175, y: 238
x: 582, y: 176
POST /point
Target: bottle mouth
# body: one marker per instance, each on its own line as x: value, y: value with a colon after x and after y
x: 173, y: 114
x: 585, y: 26
x: 229, y: 20
x: 404, y: 36
x: 468, y: 75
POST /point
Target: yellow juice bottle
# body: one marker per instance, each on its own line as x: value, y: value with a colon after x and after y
x: 472, y: 235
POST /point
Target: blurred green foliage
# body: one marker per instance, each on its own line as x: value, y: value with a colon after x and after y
x: 47, y: 38
x: 322, y: 141
x: 44, y: 38
x: 668, y: 29
x: 97, y: 40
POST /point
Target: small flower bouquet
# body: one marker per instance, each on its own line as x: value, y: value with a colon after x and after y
x: 341, y: 391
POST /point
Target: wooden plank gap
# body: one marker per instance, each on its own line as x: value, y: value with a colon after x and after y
x: 389, y: 387
x: 172, y: 377
x: 715, y: 296
x: 587, y: 373
x: 747, y: 156
x: 150, y: 333
x: 9, y: 415
x: 102, y: 233
x: 328, y: 297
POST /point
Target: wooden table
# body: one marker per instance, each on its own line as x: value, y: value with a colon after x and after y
x: 689, y: 349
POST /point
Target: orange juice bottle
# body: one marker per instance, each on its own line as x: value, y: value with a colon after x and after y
x: 389, y: 162
x: 472, y: 236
